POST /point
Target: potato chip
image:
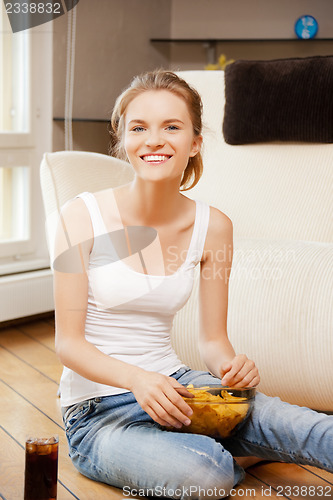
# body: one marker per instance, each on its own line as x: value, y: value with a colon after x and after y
x: 215, y: 415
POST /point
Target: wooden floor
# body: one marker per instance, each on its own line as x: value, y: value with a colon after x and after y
x: 29, y: 377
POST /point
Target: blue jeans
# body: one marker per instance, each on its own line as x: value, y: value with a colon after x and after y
x: 112, y: 440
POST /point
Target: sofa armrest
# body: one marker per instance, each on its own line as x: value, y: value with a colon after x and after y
x: 280, y: 314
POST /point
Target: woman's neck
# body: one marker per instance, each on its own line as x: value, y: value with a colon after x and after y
x: 155, y: 204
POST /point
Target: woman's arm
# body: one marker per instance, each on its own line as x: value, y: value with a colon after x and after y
x: 73, y: 244
x: 154, y: 392
x: 214, y: 344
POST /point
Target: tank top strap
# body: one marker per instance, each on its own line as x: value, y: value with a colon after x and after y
x: 94, y: 212
x: 199, y: 232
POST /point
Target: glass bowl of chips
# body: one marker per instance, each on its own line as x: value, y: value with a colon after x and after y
x: 217, y: 410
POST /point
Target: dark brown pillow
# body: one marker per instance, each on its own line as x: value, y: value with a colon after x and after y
x: 279, y: 100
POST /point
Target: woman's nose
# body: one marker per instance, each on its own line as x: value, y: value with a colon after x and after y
x: 154, y: 139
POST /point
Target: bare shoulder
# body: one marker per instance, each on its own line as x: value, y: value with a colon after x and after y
x: 220, y: 225
x: 75, y: 209
x: 75, y: 220
x: 219, y: 234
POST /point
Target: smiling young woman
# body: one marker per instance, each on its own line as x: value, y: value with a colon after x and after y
x: 158, y: 131
x: 162, y: 81
x: 123, y: 383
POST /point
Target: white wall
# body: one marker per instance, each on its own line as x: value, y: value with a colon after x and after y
x: 113, y: 41
x: 247, y: 19
x: 112, y: 45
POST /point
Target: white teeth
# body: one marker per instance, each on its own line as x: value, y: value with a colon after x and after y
x: 155, y: 158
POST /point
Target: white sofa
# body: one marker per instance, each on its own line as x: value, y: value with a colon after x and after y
x: 279, y: 197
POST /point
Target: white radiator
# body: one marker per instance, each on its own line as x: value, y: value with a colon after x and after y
x: 26, y: 294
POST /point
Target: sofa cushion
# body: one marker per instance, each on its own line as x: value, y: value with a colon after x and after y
x: 279, y: 100
x: 269, y: 190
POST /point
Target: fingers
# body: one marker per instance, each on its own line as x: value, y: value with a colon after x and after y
x: 225, y: 368
x: 242, y: 373
x: 171, y: 412
x: 233, y: 371
x: 165, y: 405
x: 184, y: 392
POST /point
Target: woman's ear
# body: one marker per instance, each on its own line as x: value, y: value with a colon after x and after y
x: 196, y: 145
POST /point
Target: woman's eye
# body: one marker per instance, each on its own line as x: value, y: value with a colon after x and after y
x: 172, y: 127
x: 138, y: 128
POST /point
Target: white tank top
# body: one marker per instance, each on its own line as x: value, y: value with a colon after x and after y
x: 130, y: 314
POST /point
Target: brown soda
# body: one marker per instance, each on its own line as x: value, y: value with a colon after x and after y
x: 41, y: 469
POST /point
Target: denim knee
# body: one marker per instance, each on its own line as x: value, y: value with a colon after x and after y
x: 206, y: 474
x: 199, y: 475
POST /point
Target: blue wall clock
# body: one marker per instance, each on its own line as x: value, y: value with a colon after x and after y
x: 306, y: 27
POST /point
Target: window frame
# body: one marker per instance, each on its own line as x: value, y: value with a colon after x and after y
x: 21, y: 139
x: 27, y: 149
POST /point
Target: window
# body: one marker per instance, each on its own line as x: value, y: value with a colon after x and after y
x: 25, y: 133
x: 14, y: 81
x: 14, y: 216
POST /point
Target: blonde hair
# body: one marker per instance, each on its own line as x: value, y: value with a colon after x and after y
x: 160, y: 80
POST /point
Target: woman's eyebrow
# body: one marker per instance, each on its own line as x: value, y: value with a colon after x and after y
x: 173, y: 120
x: 169, y: 120
x: 136, y: 121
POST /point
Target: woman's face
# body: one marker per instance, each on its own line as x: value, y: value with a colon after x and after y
x: 158, y: 135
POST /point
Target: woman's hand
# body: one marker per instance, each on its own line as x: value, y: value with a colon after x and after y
x: 157, y: 396
x: 240, y: 371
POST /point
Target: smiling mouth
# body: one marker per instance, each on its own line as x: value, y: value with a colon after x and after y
x: 155, y: 159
